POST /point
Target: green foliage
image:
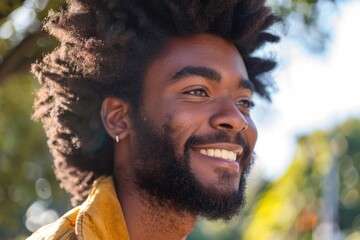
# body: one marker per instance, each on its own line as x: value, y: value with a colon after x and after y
x: 25, y: 163
x: 7, y: 6
x: 347, y: 146
x: 294, y: 206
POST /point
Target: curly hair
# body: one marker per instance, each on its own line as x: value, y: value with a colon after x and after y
x: 105, y: 47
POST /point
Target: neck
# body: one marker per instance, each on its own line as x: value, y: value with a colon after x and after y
x: 148, y: 220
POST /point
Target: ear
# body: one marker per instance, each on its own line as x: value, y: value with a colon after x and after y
x: 115, y: 117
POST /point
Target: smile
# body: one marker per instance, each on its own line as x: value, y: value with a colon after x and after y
x: 220, y: 153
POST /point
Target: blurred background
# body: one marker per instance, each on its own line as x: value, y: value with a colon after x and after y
x: 305, y: 183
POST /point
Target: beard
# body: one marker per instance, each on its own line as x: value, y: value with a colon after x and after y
x: 165, y: 179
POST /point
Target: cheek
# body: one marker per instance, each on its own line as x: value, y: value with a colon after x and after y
x: 183, y: 125
x: 178, y: 115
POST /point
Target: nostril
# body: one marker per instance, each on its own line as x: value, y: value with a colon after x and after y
x: 225, y: 125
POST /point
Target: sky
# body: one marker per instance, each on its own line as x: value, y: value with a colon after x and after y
x: 315, y: 92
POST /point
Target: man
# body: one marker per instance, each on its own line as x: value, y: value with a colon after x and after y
x: 146, y: 105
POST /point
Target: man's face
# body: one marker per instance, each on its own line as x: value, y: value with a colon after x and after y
x: 194, y: 135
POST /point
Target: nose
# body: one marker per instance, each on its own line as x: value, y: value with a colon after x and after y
x: 228, y: 117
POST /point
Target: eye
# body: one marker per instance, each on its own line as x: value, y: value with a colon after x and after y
x: 245, y: 104
x: 199, y: 92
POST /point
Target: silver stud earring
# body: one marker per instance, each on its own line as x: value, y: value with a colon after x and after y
x: 117, y: 138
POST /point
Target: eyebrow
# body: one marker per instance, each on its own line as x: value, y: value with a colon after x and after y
x: 248, y: 84
x: 209, y: 74
x: 197, y: 71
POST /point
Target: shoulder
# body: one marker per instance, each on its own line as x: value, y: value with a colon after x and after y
x: 61, y: 229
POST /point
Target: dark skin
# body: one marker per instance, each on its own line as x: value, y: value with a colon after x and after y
x: 201, y: 83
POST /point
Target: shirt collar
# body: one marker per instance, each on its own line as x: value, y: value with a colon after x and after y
x: 101, y: 216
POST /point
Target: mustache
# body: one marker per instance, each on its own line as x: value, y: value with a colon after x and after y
x: 217, y: 137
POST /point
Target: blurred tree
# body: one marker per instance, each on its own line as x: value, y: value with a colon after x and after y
x: 309, y: 21
x: 29, y: 193
x: 25, y: 164
x: 21, y: 38
x: 319, y: 196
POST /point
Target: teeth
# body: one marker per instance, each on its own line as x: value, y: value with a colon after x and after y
x: 210, y: 152
x: 233, y: 156
x: 217, y: 153
x: 225, y: 154
x: 220, y: 153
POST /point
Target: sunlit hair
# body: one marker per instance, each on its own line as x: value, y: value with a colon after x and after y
x: 105, y: 46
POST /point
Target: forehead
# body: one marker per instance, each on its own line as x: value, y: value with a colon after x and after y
x: 201, y: 51
x: 205, y: 50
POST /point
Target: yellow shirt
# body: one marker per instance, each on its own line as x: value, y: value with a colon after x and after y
x: 99, y: 217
